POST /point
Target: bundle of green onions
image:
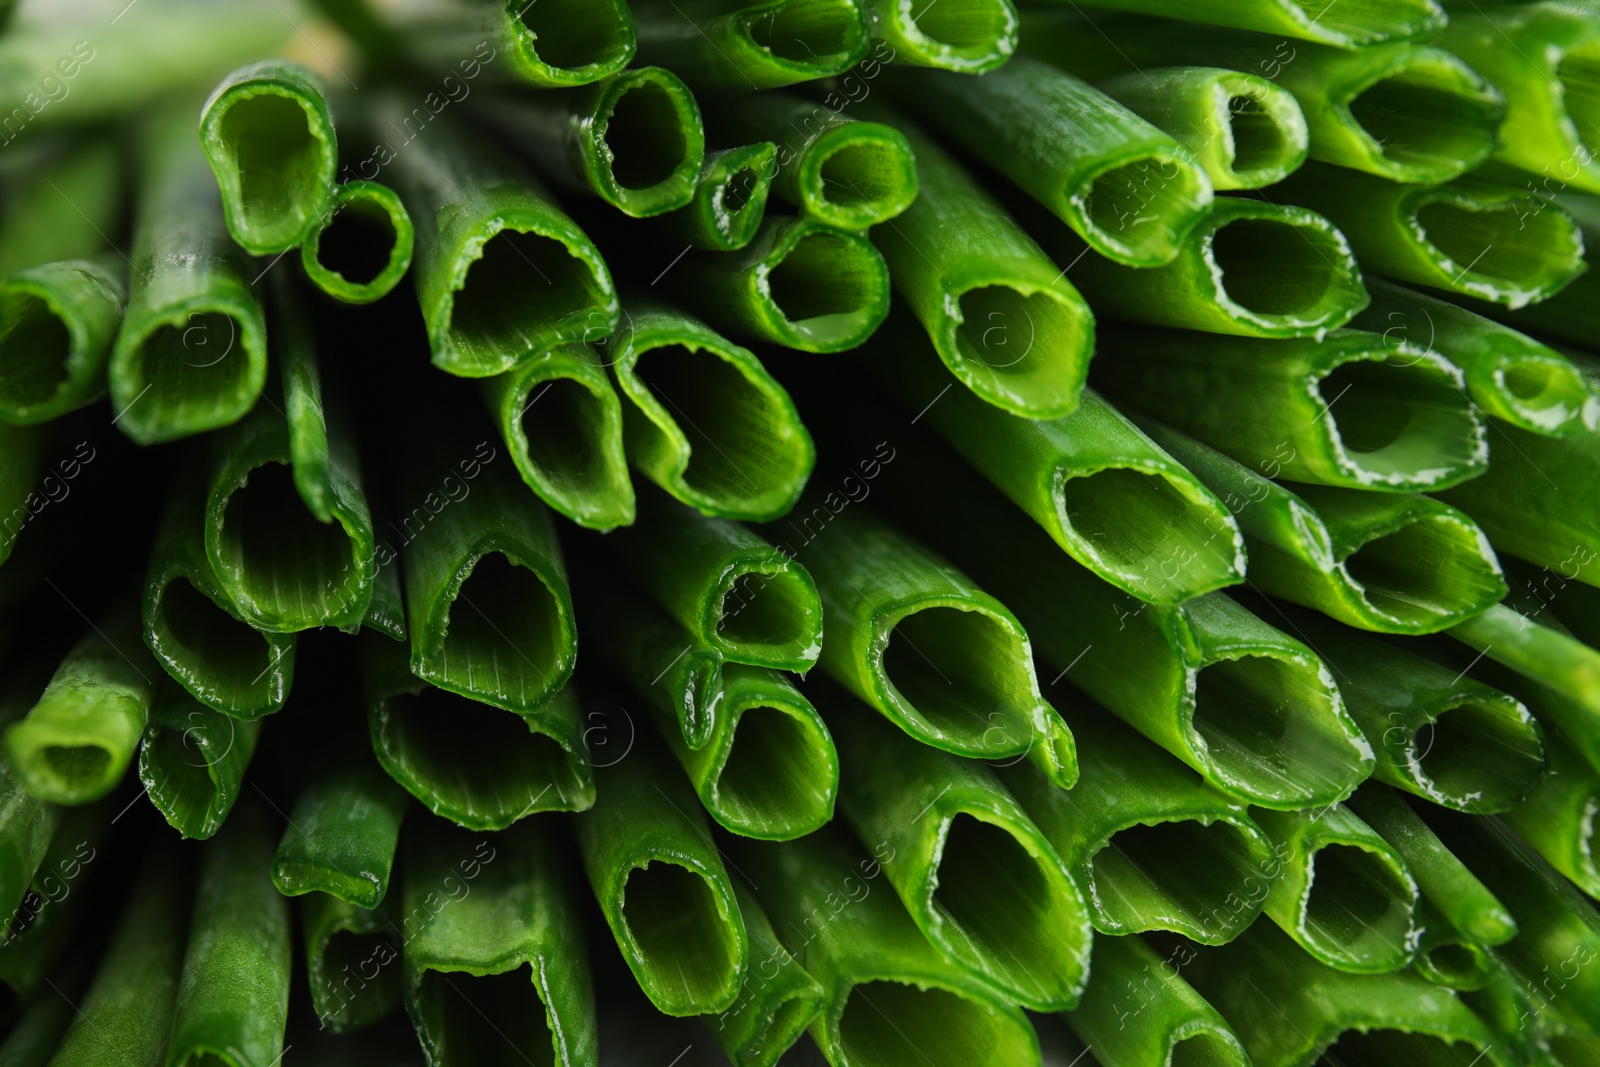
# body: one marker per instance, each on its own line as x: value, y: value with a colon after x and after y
x: 947, y: 697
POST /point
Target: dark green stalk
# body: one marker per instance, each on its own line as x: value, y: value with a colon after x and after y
x: 350, y: 962
x: 54, y: 909
x: 1246, y: 131
x: 705, y: 420
x: 562, y: 421
x: 57, y: 322
x: 798, y: 283
x: 1470, y: 237
x: 730, y: 589
x: 662, y: 887
x: 495, y: 961
x: 1558, y: 817
x: 752, y: 44
x: 478, y: 766
x: 1347, y: 26
x: 192, y: 762
x: 1154, y: 849
x: 269, y: 138
x: 360, y: 248
x: 777, y: 1002
x: 1128, y: 189
x: 26, y: 823
x: 1568, y: 315
x: 970, y: 36
x: 977, y: 877
x: 341, y: 837
x: 1509, y: 375
x: 39, y: 1027
x: 21, y: 459
x: 233, y: 998
x: 730, y: 200
x: 1355, y: 409
x: 1000, y: 313
x: 317, y: 442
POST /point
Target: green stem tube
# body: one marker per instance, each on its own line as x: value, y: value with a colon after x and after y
x: 57, y: 323
x: 341, y: 837
x: 21, y: 460
x: 61, y: 204
x: 1558, y: 817
x: 752, y: 44
x: 343, y: 943
x: 969, y: 36
x: 27, y: 823
x: 777, y: 1002
x: 1348, y: 26
x: 54, y: 910
x: 192, y: 762
x: 730, y: 200
x: 360, y: 247
x: 1569, y: 315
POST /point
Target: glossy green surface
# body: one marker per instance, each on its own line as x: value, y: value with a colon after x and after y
x: 742, y: 47
x: 57, y: 322
x: 377, y: 228
x: 341, y: 836
x: 192, y: 762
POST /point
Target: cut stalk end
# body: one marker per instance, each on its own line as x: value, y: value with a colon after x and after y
x: 272, y: 148
x: 731, y: 199
x: 970, y: 36
x: 1183, y: 875
x: 952, y: 1028
x: 463, y: 1017
x: 362, y: 247
x: 677, y: 936
x: 344, y: 1000
x: 187, y: 370
x: 1263, y: 132
x: 821, y: 289
x: 1429, y: 573
x: 1427, y: 118
x: 808, y: 39
x: 1456, y: 965
x: 1508, y: 250
x: 1021, y: 348
x: 1284, y: 271
x: 650, y: 144
x: 1139, y: 212
x: 858, y: 174
x: 778, y: 775
x: 571, y: 42
x: 1545, y: 394
x: 1478, y: 755
x: 1356, y: 909
x: 767, y: 616
x: 42, y: 356
x: 222, y: 661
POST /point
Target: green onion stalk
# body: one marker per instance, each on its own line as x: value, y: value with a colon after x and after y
x: 22, y: 458
x: 1568, y: 315
x: 1558, y: 816
x: 361, y: 246
x: 729, y: 202
x: 747, y: 45
x: 192, y: 762
x: 341, y: 838
x: 1344, y: 27
x: 27, y: 823
x: 970, y: 36
x: 60, y: 203
x: 56, y: 906
x: 777, y: 1002
x: 350, y: 954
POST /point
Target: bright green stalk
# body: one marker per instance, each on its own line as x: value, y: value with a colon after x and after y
x: 341, y: 837
x: 1469, y: 237
x: 76, y: 742
x: 328, y: 489
x: 1346, y: 26
x: 488, y: 562
x: 1128, y: 189
x: 501, y: 272
x: 918, y: 640
x: 1354, y: 409
x: 128, y: 1011
x: 57, y: 322
x: 561, y: 418
x: 1509, y: 375
x: 478, y: 766
x: 1288, y: 1009
x: 195, y: 632
x: 798, y: 283
x: 192, y: 762
x: 26, y: 826
x: 193, y: 336
x: 1391, y: 562
x: 1103, y: 491
x: 1180, y: 1027
x: 233, y: 998
x: 970, y: 36
x: 360, y: 248
x: 830, y: 166
x: 473, y: 923
x: 350, y: 963
x: 705, y: 420
x: 730, y: 589
x: 1558, y: 817
x: 1246, y: 131
x: 1461, y: 919
x: 1000, y: 313
x: 777, y: 1001
x: 975, y: 874
x: 1545, y: 58
x: 269, y: 138
x: 634, y: 139
x: 21, y: 459
x: 1153, y: 848
x: 889, y: 996
x: 62, y: 204
x: 1249, y: 268
x: 730, y: 200
x: 744, y: 45
x: 662, y: 887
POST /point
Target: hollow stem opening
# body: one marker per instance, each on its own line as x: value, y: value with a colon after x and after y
x: 972, y: 29
x: 1398, y: 1048
x: 1500, y: 245
x: 519, y: 294
x: 1257, y: 137
x: 1544, y: 392
x: 201, y: 642
x: 1480, y: 754
x: 1357, y: 907
x: 182, y: 787
x: 76, y: 769
x: 965, y: 675
x: 505, y: 636
x: 891, y: 1024
x: 1429, y: 570
x: 1182, y: 875
x: 358, y: 242
x: 1399, y: 418
x: 776, y: 779
x: 267, y: 136
x: 684, y: 951
x: 1459, y: 965
x: 813, y: 33
x: 1431, y: 117
x: 1296, y: 273
x: 1139, y: 212
x: 495, y: 1018
x: 1205, y: 1048
x: 644, y: 136
x: 347, y: 999
x: 34, y: 346
x: 864, y: 175
x: 562, y: 423
x: 1371, y: 21
x: 194, y: 372
x: 1020, y: 349
x: 763, y: 617
x: 571, y: 34
x: 828, y: 286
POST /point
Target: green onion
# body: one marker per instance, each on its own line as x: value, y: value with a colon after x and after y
x: 386, y: 614
x: 975, y: 874
x: 1153, y: 848
x: 1469, y: 237
x: 730, y: 200
x: 501, y: 272
x: 1568, y: 315
x: 27, y: 825
x: 341, y: 837
x: 360, y: 248
x: 1180, y: 1027
x: 486, y: 591
x: 127, y: 1013
x: 342, y: 943
x: 1001, y: 315
x: 192, y: 762
x: 57, y: 322
x: 730, y: 589
x: 1249, y: 268
x: 193, y: 335
x: 1344, y: 895
x: 751, y: 44
x: 1246, y: 131
x: 1509, y: 375
x: 22, y: 454
x: 798, y: 283
x: 78, y: 739
x: 39, y: 932
x: 970, y: 36
x: 834, y: 168
x: 663, y: 889
x: 193, y: 629
x: 1355, y: 409
x: 705, y: 420
x: 61, y: 205
x: 1128, y: 189
x: 889, y: 995
x: 478, y: 766
x: 916, y: 639
x: 562, y: 421
x: 1558, y: 817
x: 1347, y: 26
x: 495, y: 965
x: 777, y: 1002
x: 233, y: 998
x: 269, y: 138
x: 1461, y: 919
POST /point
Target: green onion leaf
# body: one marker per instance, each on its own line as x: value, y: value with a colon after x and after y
x: 21, y: 459
x: 57, y: 322
x: 1347, y: 26
x: 341, y: 837
x: 970, y: 36
x: 730, y: 200
x: 751, y: 44
x: 774, y: 1008
x: 61, y: 205
x: 192, y: 762
x: 342, y: 942
x: 27, y: 825
x: 38, y: 933
x: 361, y: 246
